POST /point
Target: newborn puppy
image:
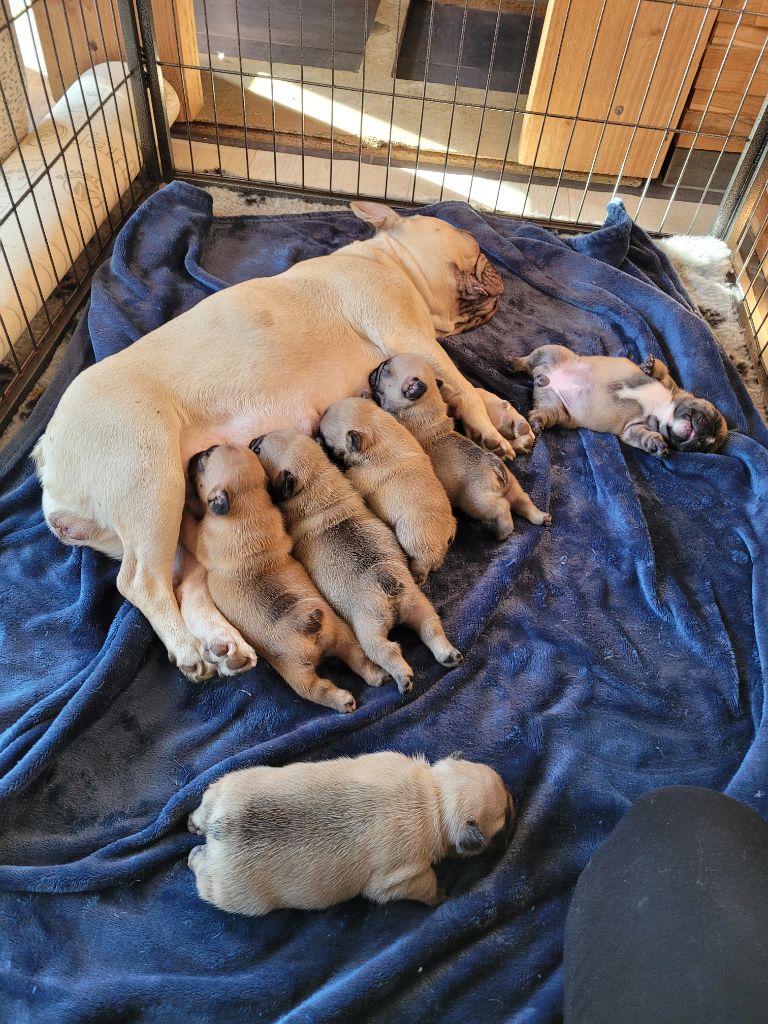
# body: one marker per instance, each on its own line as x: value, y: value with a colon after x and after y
x: 477, y: 482
x: 640, y: 404
x: 312, y: 835
x: 242, y: 544
x: 353, y: 558
x: 390, y: 469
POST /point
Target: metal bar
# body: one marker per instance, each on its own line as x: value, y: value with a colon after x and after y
x: 185, y: 97
x: 453, y: 104
x: 423, y: 95
x: 155, y: 159
x: 746, y: 177
x: 272, y: 91
x: 242, y: 90
x: 213, y: 84
x: 487, y: 90
x: 362, y: 96
x: 707, y: 105
x: 392, y: 102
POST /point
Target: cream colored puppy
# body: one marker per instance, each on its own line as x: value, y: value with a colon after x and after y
x: 386, y: 465
x: 242, y: 544
x: 266, y: 353
x: 352, y: 556
x: 312, y: 835
x: 476, y: 481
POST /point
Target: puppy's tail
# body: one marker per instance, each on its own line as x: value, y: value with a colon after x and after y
x: 311, y: 623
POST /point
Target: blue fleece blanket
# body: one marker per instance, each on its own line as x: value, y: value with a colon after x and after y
x: 621, y: 650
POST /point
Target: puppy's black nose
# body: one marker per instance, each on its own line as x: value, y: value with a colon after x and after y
x: 255, y: 444
x: 414, y: 388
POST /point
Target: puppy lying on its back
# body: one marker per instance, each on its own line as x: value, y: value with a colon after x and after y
x: 312, y: 835
x: 640, y: 404
x: 388, y: 466
x: 353, y: 558
x: 477, y: 482
x: 242, y: 544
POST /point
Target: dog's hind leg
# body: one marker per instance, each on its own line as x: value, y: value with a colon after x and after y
x: 522, y: 504
x: 223, y: 646
x: 149, y: 532
x: 417, y: 612
x: 423, y: 888
x: 351, y: 653
x: 383, y: 651
x: 304, y: 680
x: 543, y: 356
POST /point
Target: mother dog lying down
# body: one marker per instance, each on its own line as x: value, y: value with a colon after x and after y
x: 261, y: 355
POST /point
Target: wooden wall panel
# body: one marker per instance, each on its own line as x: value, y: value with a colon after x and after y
x: 563, y: 69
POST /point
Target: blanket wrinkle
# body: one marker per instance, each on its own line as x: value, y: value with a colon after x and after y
x: 622, y: 649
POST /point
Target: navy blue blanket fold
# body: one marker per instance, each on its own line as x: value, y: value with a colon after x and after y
x: 621, y: 650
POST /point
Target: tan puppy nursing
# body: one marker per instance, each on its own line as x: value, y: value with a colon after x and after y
x: 390, y: 469
x: 476, y: 481
x: 640, y: 404
x: 353, y: 558
x: 261, y: 355
x: 242, y: 544
x: 312, y: 835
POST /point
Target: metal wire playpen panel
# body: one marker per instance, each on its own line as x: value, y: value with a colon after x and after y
x: 544, y: 109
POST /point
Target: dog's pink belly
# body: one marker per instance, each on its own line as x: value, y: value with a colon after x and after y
x: 299, y: 411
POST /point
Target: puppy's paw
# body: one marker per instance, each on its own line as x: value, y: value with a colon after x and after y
x: 194, y: 824
x: 648, y: 366
x: 519, y: 364
x: 437, y: 899
x: 452, y: 659
x: 657, y: 446
x: 483, y: 433
x: 546, y: 519
x: 196, y: 855
x: 344, y: 702
x: 230, y: 656
x: 536, y: 424
x: 404, y: 683
x: 524, y: 443
x: 192, y: 665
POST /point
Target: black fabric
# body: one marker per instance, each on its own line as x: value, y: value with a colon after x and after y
x: 669, y: 921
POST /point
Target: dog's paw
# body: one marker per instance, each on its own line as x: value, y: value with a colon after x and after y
x: 195, y: 827
x: 452, y: 658
x: 657, y: 446
x: 523, y: 443
x: 404, y: 683
x: 536, y: 424
x: 192, y: 664
x: 488, y: 437
x: 546, y: 520
x: 195, y: 855
x: 648, y: 365
x: 230, y: 656
x: 437, y: 899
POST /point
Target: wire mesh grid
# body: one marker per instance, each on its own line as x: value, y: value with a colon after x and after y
x: 564, y: 106
x: 75, y: 163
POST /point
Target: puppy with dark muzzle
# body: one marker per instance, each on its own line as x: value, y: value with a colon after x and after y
x: 640, y: 404
x: 476, y: 481
x: 390, y: 469
x: 353, y: 558
x: 242, y: 544
x: 312, y: 835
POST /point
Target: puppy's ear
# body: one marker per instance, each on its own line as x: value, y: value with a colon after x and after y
x: 284, y: 485
x: 414, y: 388
x: 456, y: 755
x: 218, y: 503
x: 378, y: 215
x: 354, y: 441
x: 470, y: 839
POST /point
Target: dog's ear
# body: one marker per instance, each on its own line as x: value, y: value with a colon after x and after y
x: 218, y: 503
x: 470, y: 839
x: 284, y: 485
x: 378, y: 215
x: 414, y: 388
x: 355, y: 441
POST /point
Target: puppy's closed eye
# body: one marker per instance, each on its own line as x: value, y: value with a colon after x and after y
x: 284, y: 486
x: 354, y: 441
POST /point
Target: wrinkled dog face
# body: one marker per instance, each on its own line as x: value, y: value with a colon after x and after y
x: 449, y: 259
x: 223, y: 475
x: 697, y: 426
x: 289, y: 459
x: 400, y: 381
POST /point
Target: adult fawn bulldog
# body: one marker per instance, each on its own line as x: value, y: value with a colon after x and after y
x: 262, y: 355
